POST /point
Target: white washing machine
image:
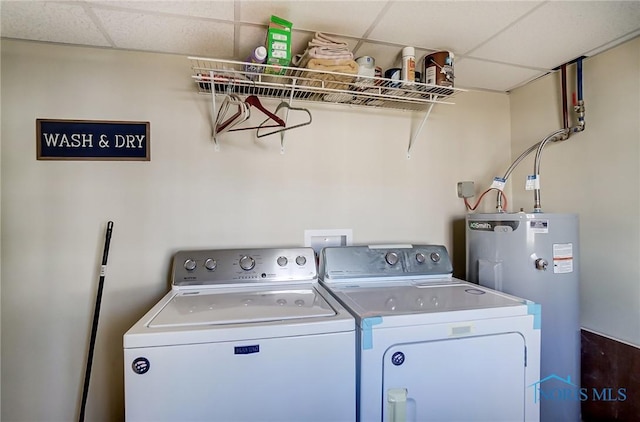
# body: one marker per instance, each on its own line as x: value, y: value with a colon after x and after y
x: 243, y: 335
x: 431, y: 347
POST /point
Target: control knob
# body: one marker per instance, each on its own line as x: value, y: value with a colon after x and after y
x: 391, y: 258
x: 301, y: 260
x: 435, y: 256
x: 247, y: 263
x: 210, y: 264
x: 189, y: 264
x: 420, y: 258
x: 282, y: 261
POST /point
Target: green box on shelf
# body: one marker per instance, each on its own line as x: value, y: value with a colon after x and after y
x: 278, y: 45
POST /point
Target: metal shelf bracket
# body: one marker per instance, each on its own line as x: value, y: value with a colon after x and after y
x: 415, y: 135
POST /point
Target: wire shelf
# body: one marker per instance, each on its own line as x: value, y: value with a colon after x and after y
x: 303, y: 84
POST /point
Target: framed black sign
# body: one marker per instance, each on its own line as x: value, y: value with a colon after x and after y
x: 92, y: 140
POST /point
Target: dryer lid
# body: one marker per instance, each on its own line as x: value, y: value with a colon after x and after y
x: 428, y: 297
x: 199, y: 308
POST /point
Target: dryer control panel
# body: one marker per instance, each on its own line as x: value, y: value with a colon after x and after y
x: 384, y: 261
x: 243, y: 266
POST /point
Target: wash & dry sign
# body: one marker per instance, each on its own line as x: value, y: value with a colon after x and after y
x: 92, y: 140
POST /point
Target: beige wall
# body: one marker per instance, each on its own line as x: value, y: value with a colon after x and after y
x: 347, y: 170
x: 595, y: 174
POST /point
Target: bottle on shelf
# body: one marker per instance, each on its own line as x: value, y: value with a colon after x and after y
x: 258, y: 56
x: 408, y: 64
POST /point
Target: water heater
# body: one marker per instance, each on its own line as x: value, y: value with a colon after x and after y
x: 536, y: 257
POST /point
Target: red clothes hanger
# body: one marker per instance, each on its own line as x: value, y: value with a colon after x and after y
x: 254, y: 101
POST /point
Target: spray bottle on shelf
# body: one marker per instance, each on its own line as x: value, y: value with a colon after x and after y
x: 409, y: 64
x: 258, y: 56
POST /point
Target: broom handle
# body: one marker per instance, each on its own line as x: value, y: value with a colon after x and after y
x: 96, y: 316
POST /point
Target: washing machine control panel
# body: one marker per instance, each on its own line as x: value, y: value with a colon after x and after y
x: 351, y: 262
x: 241, y: 266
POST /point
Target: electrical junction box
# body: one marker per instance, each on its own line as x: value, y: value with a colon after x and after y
x: 318, y: 239
x: 465, y: 190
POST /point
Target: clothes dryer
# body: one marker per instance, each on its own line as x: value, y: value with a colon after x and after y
x: 243, y: 335
x: 432, y: 347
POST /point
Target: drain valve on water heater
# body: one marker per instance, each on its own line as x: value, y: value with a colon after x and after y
x: 541, y: 264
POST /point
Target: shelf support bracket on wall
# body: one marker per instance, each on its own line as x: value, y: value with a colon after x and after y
x: 415, y: 135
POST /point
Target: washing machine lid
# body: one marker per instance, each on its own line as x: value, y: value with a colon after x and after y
x: 421, y: 297
x: 210, y: 308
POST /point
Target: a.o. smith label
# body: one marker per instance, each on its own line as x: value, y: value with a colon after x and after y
x: 494, y: 226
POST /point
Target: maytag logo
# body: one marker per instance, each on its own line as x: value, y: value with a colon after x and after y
x: 246, y: 350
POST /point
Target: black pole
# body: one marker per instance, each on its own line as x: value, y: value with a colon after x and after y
x: 96, y: 315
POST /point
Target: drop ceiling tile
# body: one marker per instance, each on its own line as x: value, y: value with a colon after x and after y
x: 479, y: 74
x: 535, y: 36
x: 447, y: 25
x: 219, y: 9
x: 49, y: 21
x: 139, y: 31
x: 249, y: 37
x: 559, y: 32
x: 613, y: 43
x: 348, y: 18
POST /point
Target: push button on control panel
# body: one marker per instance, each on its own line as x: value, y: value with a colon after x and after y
x: 391, y: 258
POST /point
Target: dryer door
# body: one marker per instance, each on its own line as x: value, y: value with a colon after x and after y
x: 473, y: 378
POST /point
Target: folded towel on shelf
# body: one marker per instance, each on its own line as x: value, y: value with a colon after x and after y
x: 302, y: 59
x: 321, y: 39
x: 323, y: 47
x: 336, y: 74
x: 334, y: 60
x: 332, y: 65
